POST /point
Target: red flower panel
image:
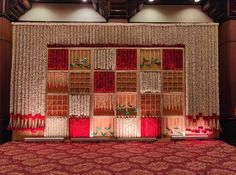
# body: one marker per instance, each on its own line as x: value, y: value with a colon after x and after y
x: 172, y: 59
x: 126, y: 59
x: 57, y: 59
x: 79, y: 127
x: 104, y: 82
x: 150, y: 127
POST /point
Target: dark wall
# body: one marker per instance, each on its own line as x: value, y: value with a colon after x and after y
x: 227, y: 60
x: 5, y: 71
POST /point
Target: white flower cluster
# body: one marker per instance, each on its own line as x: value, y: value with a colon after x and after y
x: 150, y: 82
x: 56, y: 127
x: 104, y: 59
x: 79, y: 105
x: 127, y: 126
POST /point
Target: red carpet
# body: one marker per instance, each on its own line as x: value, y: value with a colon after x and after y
x: 113, y: 158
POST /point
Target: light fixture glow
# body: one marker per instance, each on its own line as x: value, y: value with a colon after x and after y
x: 84, y: 0
x: 197, y: 0
x: 150, y: 0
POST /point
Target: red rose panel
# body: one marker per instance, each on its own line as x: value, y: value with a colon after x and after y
x: 104, y: 82
x: 172, y: 59
x: 126, y: 59
x: 79, y: 127
x: 57, y: 59
x: 150, y: 127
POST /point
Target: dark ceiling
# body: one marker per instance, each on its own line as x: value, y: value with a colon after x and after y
x: 120, y: 9
x: 161, y: 2
x: 218, y: 10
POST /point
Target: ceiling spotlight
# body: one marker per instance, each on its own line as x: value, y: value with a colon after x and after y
x: 151, y: 0
x: 84, y: 0
x: 197, y: 0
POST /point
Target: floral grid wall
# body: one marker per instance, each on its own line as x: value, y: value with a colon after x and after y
x: 29, y: 63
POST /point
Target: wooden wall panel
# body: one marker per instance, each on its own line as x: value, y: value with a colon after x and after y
x: 5, y: 72
x: 5, y: 30
x: 227, y: 62
x: 224, y: 32
x: 225, y: 97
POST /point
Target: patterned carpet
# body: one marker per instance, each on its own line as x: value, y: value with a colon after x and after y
x: 114, y: 158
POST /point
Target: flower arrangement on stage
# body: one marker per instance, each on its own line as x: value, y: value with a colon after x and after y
x: 126, y: 104
x: 150, y: 59
x: 80, y: 59
x: 31, y: 57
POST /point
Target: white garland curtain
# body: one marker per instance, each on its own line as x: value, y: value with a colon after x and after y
x: 104, y: 59
x: 29, y: 60
x: 56, y: 127
x: 150, y: 82
x: 79, y: 105
x: 127, y: 126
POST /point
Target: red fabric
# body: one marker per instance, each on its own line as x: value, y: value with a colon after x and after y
x: 193, y: 118
x: 126, y: 59
x: 104, y: 82
x: 201, y: 129
x: 28, y: 116
x: 172, y: 59
x: 79, y: 127
x: 150, y: 127
x: 57, y: 59
x: 27, y: 122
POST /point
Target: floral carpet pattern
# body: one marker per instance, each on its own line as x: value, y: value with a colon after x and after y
x: 116, y: 158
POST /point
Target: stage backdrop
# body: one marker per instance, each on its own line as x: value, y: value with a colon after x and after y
x: 29, y: 63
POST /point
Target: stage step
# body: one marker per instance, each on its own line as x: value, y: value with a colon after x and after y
x: 194, y: 137
x: 44, y: 139
x: 103, y: 139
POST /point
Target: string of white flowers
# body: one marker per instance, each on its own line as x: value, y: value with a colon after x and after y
x: 56, y: 127
x: 104, y: 59
x: 127, y: 126
x: 150, y: 82
x: 79, y: 105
